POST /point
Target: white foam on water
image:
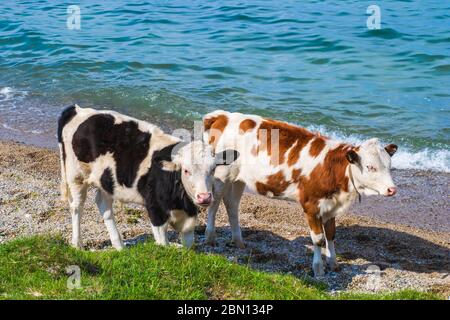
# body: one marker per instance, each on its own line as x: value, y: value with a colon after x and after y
x: 10, y: 99
x: 11, y: 95
x: 435, y: 160
x: 405, y: 158
x: 5, y: 93
x: 5, y: 90
x: 8, y: 127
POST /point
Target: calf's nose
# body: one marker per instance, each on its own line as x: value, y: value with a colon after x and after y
x: 391, y: 191
x: 204, y: 197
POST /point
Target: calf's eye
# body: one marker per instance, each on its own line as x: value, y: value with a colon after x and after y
x: 186, y: 172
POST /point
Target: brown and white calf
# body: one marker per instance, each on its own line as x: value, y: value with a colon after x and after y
x: 284, y: 161
x: 133, y: 161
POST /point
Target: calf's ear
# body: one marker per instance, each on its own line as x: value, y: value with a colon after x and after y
x: 226, y: 157
x: 352, y: 156
x: 391, y: 149
x: 170, y: 165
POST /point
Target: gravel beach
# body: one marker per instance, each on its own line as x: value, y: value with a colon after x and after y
x: 382, y: 244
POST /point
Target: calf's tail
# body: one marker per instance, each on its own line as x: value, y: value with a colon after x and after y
x: 63, y: 185
x: 65, y: 117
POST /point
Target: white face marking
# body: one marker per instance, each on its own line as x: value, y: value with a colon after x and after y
x: 197, y: 164
x: 373, y: 176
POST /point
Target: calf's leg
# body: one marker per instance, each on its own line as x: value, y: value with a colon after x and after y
x: 105, y: 206
x: 187, y: 239
x: 160, y: 223
x: 77, y: 199
x: 187, y: 233
x: 160, y: 234
x: 318, y: 239
x: 330, y: 231
x: 210, y: 232
x: 231, y: 200
x: 185, y: 225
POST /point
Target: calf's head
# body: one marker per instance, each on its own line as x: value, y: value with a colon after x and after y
x: 371, y: 168
x: 197, y: 163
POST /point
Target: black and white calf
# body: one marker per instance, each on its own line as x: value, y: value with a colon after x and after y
x: 133, y: 161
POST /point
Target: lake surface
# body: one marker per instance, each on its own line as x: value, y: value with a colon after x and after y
x: 312, y: 63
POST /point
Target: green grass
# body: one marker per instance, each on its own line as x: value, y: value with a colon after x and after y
x: 35, y: 268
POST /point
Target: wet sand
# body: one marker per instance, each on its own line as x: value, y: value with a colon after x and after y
x: 407, y: 237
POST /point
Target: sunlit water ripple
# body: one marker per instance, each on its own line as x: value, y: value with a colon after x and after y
x: 312, y: 63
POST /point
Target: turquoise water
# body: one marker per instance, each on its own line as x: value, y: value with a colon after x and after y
x: 313, y: 63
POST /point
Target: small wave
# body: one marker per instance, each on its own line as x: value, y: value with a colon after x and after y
x: 6, y: 91
x: 435, y: 160
x: 405, y: 158
x: 8, y: 94
x: 442, y: 69
x: 383, y: 33
x: 9, y: 127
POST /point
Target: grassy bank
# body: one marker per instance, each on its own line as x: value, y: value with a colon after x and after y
x: 35, y: 268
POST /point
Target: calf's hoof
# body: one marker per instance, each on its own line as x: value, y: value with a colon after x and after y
x: 239, y: 243
x: 77, y: 246
x: 119, y: 248
x: 318, y: 269
x: 335, y: 268
x: 210, y: 239
x: 332, y: 265
x: 187, y: 239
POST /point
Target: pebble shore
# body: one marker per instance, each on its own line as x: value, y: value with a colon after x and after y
x: 382, y: 244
